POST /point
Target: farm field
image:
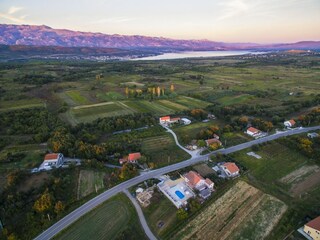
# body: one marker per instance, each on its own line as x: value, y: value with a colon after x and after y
x: 19, y: 104
x: 77, y: 97
x: 203, y: 169
x: 235, y: 215
x: 277, y: 161
x: 160, y: 212
x: 187, y: 133
x: 162, y: 150
x: 115, y: 218
x: 302, y: 179
x: 89, y: 181
x: 88, y: 113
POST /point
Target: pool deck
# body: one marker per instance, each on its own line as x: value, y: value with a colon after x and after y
x: 170, y: 187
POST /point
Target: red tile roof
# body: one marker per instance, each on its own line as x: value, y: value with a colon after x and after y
x: 134, y: 157
x: 165, y: 118
x: 292, y: 122
x: 253, y: 130
x: 315, y: 224
x: 175, y: 119
x: 232, y: 167
x: 193, y: 178
x: 213, y: 140
x: 51, y: 156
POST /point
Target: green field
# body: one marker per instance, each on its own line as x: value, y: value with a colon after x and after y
x: 19, y: 104
x: 89, y: 113
x: 162, y: 150
x: 89, y: 182
x: 115, y: 218
x: 190, y: 132
x: 276, y: 162
x: 77, y: 97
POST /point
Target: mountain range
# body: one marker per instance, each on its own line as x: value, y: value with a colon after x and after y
x: 32, y: 35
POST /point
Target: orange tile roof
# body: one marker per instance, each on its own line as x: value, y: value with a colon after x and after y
x: 253, y: 130
x: 213, y: 140
x: 292, y: 122
x: 165, y: 118
x: 315, y: 224
x: 134, y: 156
x: 232, y: 167
x: 193, y: 178
x: 51, y: 156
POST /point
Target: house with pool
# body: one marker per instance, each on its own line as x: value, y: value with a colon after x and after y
x: 177, y: 191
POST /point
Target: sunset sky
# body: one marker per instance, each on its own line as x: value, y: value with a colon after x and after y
x: 262, y: 21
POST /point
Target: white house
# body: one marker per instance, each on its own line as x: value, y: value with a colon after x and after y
x: 168, y: 119
x: 230, y: 169
x: 52, y: 160
x: 289, y: 123
x: 313, y: 135
x: 253, y: 132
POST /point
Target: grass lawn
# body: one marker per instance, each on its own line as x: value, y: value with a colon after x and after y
x: 161, y: 210
x: 115, y: 218
x: 162, y: 150
x: 90, y: 181
x: 235, y: 138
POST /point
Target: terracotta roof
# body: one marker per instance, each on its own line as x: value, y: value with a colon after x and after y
x: 175, y: 119
x: 315, y: 224
x: 208, y: 181
x: 165, y: 118
x: 193, y: 178
x: 292, y: 122
x: 51, y: 156
x: 213, y: 140
x: 253, y: 130
x: 134, y: 156
x: 232, y: 167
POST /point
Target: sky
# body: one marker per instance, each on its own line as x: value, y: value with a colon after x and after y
x: 260, y: 21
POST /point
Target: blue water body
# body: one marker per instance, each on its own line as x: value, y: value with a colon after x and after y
x: 179, y: 194
x: 197, y: 54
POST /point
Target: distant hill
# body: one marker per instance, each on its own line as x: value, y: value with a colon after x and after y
x: 46, y: 36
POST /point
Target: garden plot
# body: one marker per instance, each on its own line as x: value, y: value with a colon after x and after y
x: 302, y: 179
x: 243, y: 212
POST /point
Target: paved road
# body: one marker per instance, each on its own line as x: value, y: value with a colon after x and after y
x: 141, y: 216
x: 88, y: 206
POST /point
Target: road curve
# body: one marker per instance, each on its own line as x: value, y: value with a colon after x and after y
x: 88, y: 206
x: 141, y: 216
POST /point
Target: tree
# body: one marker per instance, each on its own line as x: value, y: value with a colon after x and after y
x: 44, y: 202
x: 158, y: 91
x: 172, y: 88
x: 162, y: 90
x: 214, y: 146
x: 127, y: 91
x: 58, y: 207
x: 201, y: 143
x: 182, y: 214
x: 127, y: 171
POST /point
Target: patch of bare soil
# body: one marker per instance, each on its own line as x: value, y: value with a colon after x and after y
x: 306, y: 185
x: 34, y: 181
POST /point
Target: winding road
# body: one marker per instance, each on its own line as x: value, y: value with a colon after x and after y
x: 88, y: 206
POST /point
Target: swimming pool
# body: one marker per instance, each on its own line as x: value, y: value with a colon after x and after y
x: 179, y: 194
